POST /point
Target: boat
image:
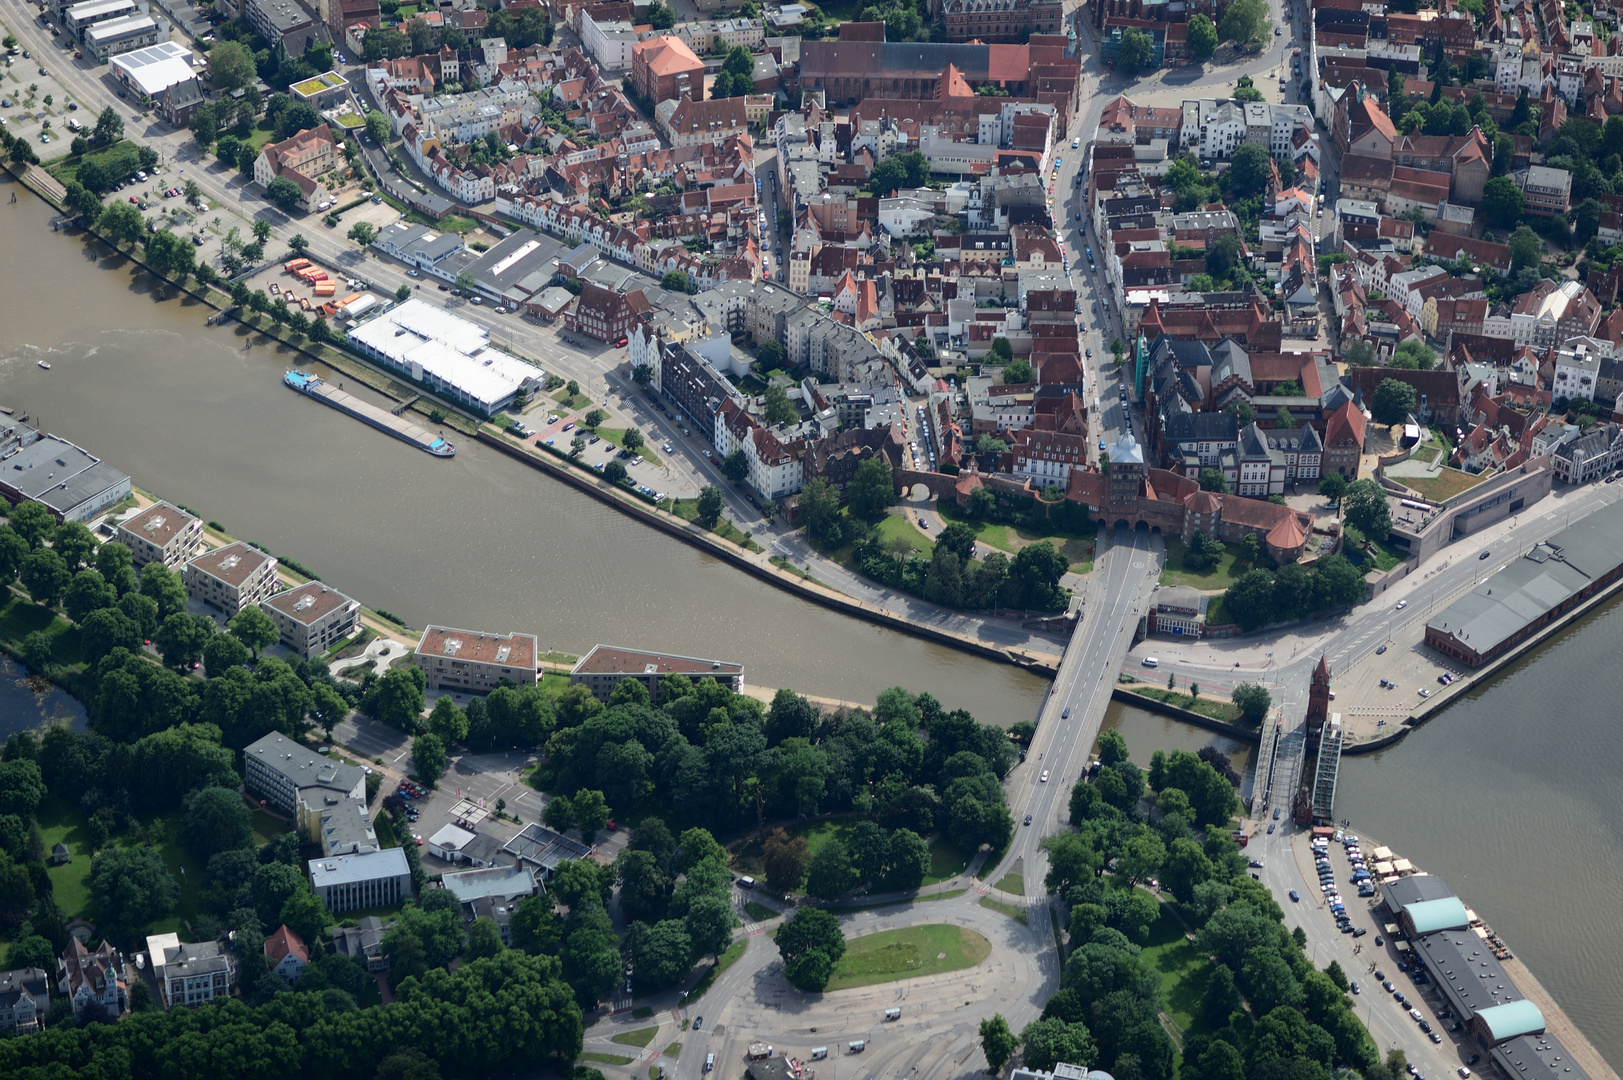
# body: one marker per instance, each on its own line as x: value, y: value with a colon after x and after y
x: 46, y: 364
x: 316, y: 387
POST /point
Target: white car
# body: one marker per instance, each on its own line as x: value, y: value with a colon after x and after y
x: 1044, y: 777
x: 1401, y: 605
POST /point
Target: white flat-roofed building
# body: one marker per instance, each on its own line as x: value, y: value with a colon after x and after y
x: 81, y: 17
x: 312, y: 617
x: 192, y: 974
x: 161, y: 533
x: 470, y: 662
x: 451, y: 356
x: 108, y: 39
x: 606, y: 666
x: 150, y: 72
x: 72, y: 483
x: 310, y: 788
x: 364, y: 880
x: 231, y: 577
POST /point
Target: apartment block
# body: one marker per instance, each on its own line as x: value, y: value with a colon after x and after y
x: 161, y: 533
x: 607, y: 666
x: 470, y: 662
x: 312, y: 618
x: 192, y: 974
x: 231, y: 578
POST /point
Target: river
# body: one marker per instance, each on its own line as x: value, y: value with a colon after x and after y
x: 1491, y: 794
x: 479, y: 541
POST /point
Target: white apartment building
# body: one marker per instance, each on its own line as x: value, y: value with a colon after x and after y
x: 161, y: 533
x: 1577, y: 370
x: 192, y: 974
x: 231, y: 578
x: 472, y: 662
x: 608, y: 43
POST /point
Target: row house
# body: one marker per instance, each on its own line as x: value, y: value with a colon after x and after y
x: 1048, y: 456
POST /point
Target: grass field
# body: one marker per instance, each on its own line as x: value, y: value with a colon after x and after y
x: 19, y: 618
x: 895, y: 528
x: 1076, y: 546
x: 617, y: 437
x: 950, y: 894
x: 1212, y: 707
x: 1443, y: 484
x: 759, y: 912
x: 1018, y: 914
x: 122, y: 159
x: 1220, y: 576
x: 1012, y: 883
x: 688, y: 510
x: 60, y: 822
x: 905, y: 953
x: 946, y: 861
x: 674, y: 1050
x: 1183, y: 969
x: 640, y: 1037
x: 605, y: 1059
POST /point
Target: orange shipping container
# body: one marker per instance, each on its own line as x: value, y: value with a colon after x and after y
x: 350, y: 299
x: 326, y: 288
x: 296, y: 265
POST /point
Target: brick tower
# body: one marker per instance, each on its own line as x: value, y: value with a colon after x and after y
x: 1318, y: 701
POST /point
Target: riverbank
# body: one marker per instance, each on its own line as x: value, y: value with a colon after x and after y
x: 1557, y: 1023
x: 758, y: 564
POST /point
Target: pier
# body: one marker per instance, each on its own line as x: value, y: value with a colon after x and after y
x: 367, y: 413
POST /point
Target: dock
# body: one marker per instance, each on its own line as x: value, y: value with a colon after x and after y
x: 367, y: 413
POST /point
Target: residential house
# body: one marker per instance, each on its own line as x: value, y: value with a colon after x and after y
x: 312, y: 618
x: 607, y: 666
x: 304, y: 159
x: 192, y: 974
x: 286, y: 954
x: 94, y: 981
x: 473, y: 662
x: 25, y: 1000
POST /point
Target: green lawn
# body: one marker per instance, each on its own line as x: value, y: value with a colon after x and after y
x: 605, y: 1059
x: 19, y: 618
x: 1018, y: 914
x: 759, y: 912
x: 1383, y: 554
x: 1443, y: 484
x: 1220, y: 576
x: 61, y: 822
x: 640, y: 1037
x: 900, y: 528
x: 1076, y: 546
x: 946, y: 861
x: 688, y: 510
x: 674, y: 1050
x: 617, y: 437
x: 1183, y: 969
x: 122, y: 159
x: 1206, y: 706
x: 908, y: 952
x: 579, y: 401
x: 1012, y: 883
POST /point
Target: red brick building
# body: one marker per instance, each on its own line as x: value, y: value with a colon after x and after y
x: 664, y: 69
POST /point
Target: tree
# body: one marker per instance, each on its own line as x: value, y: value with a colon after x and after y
x: 1365, y: 507
x: 1249, y: 164
x: 1414, y: 355
x: 253, y: 628
x: 216, y: 820
x: 84, y: 203
x: 484, y: 939
x: 779, y: 409
x: 46, y: 576
x: 1018, y: 372
x: 447, y: 721
x: 830, y: 874
x: 362, y: 233
x: 1136, y: 52
x: 1392, y: 402
x: 1250, y: 600
x: 377, y: 126
x: 428, y: 757
x: 1526, y: 249
x: 736, y: 466
x: 1002, y: 351
x: 786, y: 859
x: 770, y: 355
x: 1212, y: 480
x: 1333, y: 486
x: 1201, y: 37
x: 1245, y: 22
x: 871, y: 490
x: 810, y: 944
x: 37, y: 650
x: 109, y: 127
x: 1051, y: 1040
x: 286, y: 196
x: 997, y: 1042
x: 132, y: 887
x: 231, y: 66
x: 559, y: 814
x: 88, y: 592
x: 1501, y: 202
x: 660, y: 17
x: 181, y: 638
x: 403, y: 293
x: 710, y: 505
x: 591, y: 811
x: 397, y: 698
x: 163, y: 587
x: 614, y: 472
x: 1253, y: 701
x: 665, y: 955
x: 205, y: 125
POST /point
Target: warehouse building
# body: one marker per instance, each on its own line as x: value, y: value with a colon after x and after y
x: 72, y: 483
x: 1553, y: 578
x: 451, y: 356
